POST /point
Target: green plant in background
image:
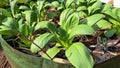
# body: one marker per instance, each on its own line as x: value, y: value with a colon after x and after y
x: 76, y: 52
x: 20, y: 20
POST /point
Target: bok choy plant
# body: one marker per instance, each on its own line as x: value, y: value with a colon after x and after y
x: 76, y: 52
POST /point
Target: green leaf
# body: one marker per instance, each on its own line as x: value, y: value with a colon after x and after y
x: 42, y: 41
x: 96, y: 6
x: 107, y: 7
x: 68, y: 3
x: 52, y: 28
x: 111, y: 14
x: 9, y: 32
x: 82, y: 8
x: 51, y: 15
x: 51, y: 52
x: 93, y: 19
x: 55, y: 4
x: 24, y: 42
x: 10, y: 22
x: 14, y: 8
x: 48, y: 25
x: 5, y: 12
x: 24, y: 30
x: 64, y: 16
x: 30, y: 16
x: 23, y: 1
x: 103, y: 24
x: 118, y: 13
x: 81, y: 30
x: 79, y: 56
x: 40, y: 5
x: 42, y: 25
x: 23, y: 8
x: 72, y: 21
x: 110, y: 33
x: 113, y: 21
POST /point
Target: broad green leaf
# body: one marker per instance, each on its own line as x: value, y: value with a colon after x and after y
x: 72, y: 21
x: 40, y: 5
x: 42, y: 41
x: 103, y: 24
x: 23, y: 8
x: 82, y: 8
x: 81, y: 30
x: 52, y: 52
x: 4, y: 27
x: 91, y: 20
x: 52, y: 28
x: 111, y: 14
x: 24, y: 30
x: 30, y: 16
x: 68, y: 3
x: 113, y: 21
x: 41, y: 25
x: 48, y: 25
x: 55, y: 4
x: 63, y: 33
x: 20, y: 22
x: 9, y: 32
x: 107, y: 7
x: 79, y: 56
x: 96, y: 6
x: 14, y: 8
x: 110, y: 33
x: 64, y: 16
x: 10, y: 22
x: 5, y: 12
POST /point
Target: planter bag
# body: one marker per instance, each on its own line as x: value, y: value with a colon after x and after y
x: 18, y: 59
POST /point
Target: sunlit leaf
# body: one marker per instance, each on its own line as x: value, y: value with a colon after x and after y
x: 14, y: 7
x: 93, y: 19
x: 68, y: 3
x: 42, y: 41
x: 30, y: 16
x: 103, y: 24
x: 79, y: 56
x: 72, y: 21
x: 24, y: 8
x: 51, y: 52
x: 41, y: 25
x: 81, y: 30
x: 40, y: 5
x: 64, y: 16
x: 81, y: 8
x: 55, y: 4
x: 10, y: 22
